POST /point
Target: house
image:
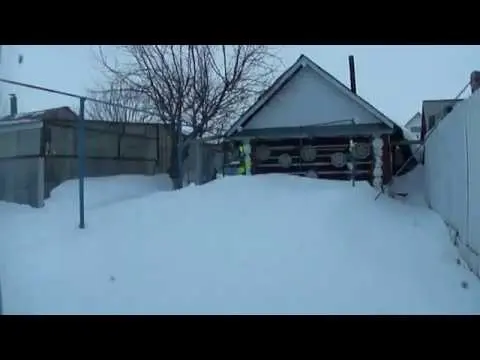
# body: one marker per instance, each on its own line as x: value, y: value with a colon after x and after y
x: 310, y: 124
x: 414, y: 125
x: 433, y: 111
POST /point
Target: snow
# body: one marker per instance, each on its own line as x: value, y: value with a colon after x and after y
x: 104, y: 191
x: 413, y: 184
x: 272, y: 244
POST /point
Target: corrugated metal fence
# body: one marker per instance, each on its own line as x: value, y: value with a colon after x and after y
x: 21, y: 166
x: 112, y: 148
x: 452, y: 171
x: 36, y: 159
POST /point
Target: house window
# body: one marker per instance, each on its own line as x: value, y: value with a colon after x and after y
x: 431, y: 121
x: 416, y: 129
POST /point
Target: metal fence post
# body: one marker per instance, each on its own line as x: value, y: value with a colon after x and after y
x: 180, y: 147
x: 81, y: 162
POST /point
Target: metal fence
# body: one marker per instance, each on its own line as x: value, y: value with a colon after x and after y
x: 80, y: 136
x: 76, y: 148
x: 452, y: 166
x: 21, y: 166
x: 111, y: 148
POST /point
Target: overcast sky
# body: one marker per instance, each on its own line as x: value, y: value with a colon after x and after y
x: 395, y: 79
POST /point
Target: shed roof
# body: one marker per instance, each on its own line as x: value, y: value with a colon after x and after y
x: 55, y: 113
x: 11, y: 126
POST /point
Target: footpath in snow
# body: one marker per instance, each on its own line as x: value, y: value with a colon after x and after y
x: 240, y: 245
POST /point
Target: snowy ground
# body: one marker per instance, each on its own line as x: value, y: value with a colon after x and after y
x: 263, y: 244
x: 412, y: 184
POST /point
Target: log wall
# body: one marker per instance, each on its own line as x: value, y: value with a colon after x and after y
x: 321, y: 165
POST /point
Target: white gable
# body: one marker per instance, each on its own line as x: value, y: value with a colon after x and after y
x: 416, y: 120
x: 308, y: 99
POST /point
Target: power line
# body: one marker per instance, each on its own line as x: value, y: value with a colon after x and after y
x: 76, y: 96
x: 80, y: 133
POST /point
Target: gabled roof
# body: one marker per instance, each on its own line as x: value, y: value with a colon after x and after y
x: 413, y: 118
x: 304, y: 61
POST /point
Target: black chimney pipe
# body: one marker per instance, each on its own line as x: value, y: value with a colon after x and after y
x: 13, y: 105
x: 353, y: 82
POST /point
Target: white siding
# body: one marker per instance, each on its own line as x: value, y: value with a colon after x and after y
x: 415, y: 120
x: 308, y: 99
x: 452, y: 164
x: 414, y: 124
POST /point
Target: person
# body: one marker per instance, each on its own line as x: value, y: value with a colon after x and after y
x: 241, y: 167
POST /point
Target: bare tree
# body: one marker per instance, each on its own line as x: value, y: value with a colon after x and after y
x: 194, y: 89
x: 118, y: 104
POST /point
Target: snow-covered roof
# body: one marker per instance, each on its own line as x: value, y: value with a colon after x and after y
x: 35, y: 115
x: 304, y: 61
x: 15, y: 125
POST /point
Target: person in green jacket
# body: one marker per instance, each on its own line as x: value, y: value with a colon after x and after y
x: 241, y: 166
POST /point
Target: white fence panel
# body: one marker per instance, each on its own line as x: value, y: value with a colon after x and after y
x: 445, y: 167
x: 452, y: 174
x: 473, y: 131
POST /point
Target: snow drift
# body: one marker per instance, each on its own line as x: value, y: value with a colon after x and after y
x: 271, y: 244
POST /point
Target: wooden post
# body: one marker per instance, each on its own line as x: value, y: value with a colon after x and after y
x: 40, y: 182
x: 351, y: 162
x: 157, y: 147
x: 377, y: 144
x: 387, y: 159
